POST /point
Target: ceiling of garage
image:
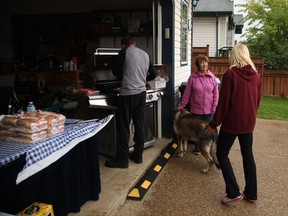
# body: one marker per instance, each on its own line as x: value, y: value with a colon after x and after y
x: 74, y: 6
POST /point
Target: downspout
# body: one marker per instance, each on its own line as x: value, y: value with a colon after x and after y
x: 159, y: 102
x: 158, y: 39
x: 217, y: 31
x: 192, y: 34
x: 153, y: 32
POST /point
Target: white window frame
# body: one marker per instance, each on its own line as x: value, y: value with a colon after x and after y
x: 184, y: 32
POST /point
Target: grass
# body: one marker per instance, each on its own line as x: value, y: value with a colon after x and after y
x: 273, y: 108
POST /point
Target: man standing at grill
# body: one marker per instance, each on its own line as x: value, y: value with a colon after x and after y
x: 134, y: 67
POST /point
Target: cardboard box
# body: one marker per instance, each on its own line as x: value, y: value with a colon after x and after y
x: 161, y: 70
x: 157, y: 84
x: 37, y: 209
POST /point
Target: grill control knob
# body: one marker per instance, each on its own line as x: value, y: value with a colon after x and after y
x: 149, y: 97
x: 160, y: 94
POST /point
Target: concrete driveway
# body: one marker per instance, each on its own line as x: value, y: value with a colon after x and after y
x: 181, y: 188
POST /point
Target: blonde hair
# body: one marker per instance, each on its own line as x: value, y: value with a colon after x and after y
x: 240, y: 57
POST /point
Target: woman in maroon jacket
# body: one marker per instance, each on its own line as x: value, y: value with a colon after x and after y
x: 236, y: 112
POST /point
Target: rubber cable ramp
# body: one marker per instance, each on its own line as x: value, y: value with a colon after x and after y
x: 142, y: 186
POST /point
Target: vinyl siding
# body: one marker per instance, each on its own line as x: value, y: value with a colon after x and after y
x: 205, y: 33
x: 182, y: 73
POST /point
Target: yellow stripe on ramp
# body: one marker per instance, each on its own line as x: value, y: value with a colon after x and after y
x: 146, y: 184
x: 134, y: 193
x: 157, y: 168
x: 167, y: 155
x: 143, y: 185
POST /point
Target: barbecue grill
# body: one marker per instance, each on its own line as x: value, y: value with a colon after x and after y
x: 106, y: 103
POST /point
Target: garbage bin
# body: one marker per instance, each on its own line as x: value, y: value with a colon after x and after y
x: 182, y: 90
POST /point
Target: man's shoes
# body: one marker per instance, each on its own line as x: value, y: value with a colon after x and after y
x: 137, y: 160
x: 227, y: 200
x: 247, y: 199
x: 116, y: 164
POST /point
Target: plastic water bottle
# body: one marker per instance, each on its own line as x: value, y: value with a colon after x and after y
x: 31, y: 107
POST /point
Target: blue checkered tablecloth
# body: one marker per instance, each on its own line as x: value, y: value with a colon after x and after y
x: 35, y: 152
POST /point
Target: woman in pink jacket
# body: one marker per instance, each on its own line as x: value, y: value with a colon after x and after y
x: 201, y: 92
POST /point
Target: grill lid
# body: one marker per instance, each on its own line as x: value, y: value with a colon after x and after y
x: 103, y: 56
x: 102, y: 74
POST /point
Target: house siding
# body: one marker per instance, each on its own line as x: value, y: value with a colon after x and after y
x: 182, y: 72
x: 205, y: 30
x: 204, y: 33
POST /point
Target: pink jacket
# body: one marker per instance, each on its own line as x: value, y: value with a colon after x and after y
x: 201, y: 93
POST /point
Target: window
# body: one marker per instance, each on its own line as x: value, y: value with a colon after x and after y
x: 184, y: 32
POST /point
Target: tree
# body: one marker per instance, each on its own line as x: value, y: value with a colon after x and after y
x: 267, y: 34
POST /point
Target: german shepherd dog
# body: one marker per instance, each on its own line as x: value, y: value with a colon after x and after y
x: 187, y: 127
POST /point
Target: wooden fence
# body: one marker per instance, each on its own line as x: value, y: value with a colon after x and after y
x: 219, y: 65
x: 274, y: 82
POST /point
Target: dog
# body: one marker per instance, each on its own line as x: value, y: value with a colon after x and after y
x: 188, y: 127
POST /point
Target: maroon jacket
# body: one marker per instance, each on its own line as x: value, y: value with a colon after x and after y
x: 238, y: 101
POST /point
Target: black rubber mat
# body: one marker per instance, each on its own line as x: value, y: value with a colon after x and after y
x: 142, y: 186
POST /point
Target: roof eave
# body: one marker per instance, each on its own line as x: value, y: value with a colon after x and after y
x: 212, y: 13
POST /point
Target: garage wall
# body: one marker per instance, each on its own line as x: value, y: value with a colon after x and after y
x: 20, y: 7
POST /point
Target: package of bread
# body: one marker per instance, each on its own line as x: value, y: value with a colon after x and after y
x: 4, y: 131
x: 10, y: 119
x: 52, y: 121
x: 60, y: 118
x: 23, y: 129
x: 29, y: 138
x: 4, y: 137
x: 36, y: 114
x: 5, y: 134
x: 28, y: 124
x: 55, y: 130
x: 52, y: 118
